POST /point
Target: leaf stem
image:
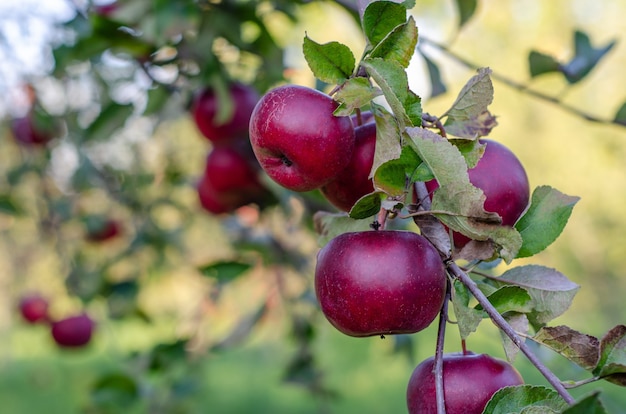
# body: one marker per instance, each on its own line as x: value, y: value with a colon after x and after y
x: 502, y: 324
x: 441, y: 333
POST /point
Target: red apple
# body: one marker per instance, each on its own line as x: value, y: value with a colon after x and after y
x: 380, y: 282
x: 27, y: 133
x: 354, y: 182
x: 205, y: 108
x: 469, y: 381
x: 73, y: 332
x: 296, y: 138
x: 101, y: 229
x: 503, y: 179
x: 34, y: 308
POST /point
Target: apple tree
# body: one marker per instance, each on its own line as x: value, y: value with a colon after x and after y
x: 409, y: 213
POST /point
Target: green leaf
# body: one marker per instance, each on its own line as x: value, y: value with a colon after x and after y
x: 462, y: 203
x: 519, y: 323
x: 539, y: 63
x: 157, y: 98
x: 510, y: 299
x: 544, y: 220
x: 551, y: 291
x: 393, y: 81
x: 519, y: 399
x: 8, y: 205
x: 112, y: 118
x: 225, y: 271
x: 355, y: 93
x: 585, y: 59
x: 331, y: 62
x: 581, y: 349
x: 331, y: 225
x: 590, y: 404
x: 380, y: 18
x: 466, y: 9
x: 398, y: 45
x: 437, y: 87
x: 468, y: 117
x: 620, y: 115
x: 467, y: 318
x: 612, y: 363
x: 367, y: 206
x: 388, y: 146
x: 394, y: 176
x: 114, y: 391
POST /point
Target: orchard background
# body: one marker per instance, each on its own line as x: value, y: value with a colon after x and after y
x: 174, y: 332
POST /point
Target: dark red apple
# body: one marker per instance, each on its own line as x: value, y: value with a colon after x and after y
x: 73, y: 332
x: 205, y: 108
x: 380, y: 282
x: 27, y: 133
x: 354, y: 182
x: 228, y: 169
x: 469, y: 381
x: 502, y: 177
x: 366, y: 117
x: 296, y: 138
x: 101, y: 229
x: 34, y: 308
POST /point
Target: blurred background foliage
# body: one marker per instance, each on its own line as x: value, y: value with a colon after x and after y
x: 201, y: 313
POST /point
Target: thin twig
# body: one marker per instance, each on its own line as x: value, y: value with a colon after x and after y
x: 501, y: 323
x: 522, y: 87
x: 441, y: 333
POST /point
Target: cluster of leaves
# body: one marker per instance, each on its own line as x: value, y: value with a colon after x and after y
x: 414, y: 147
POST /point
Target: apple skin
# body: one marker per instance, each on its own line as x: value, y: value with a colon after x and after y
x: 502, y: 177
x: 108, y: 229
x: 34, y: 309
x: 73, y: 332
x: 379, y: 282
x: 354, y: 182
x: 26, y: 134
x: 469, y: 381
x: 230, y: 180
x: 296, y: 138
x: 205, y: 108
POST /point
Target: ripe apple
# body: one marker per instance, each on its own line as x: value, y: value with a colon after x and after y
x: 74, y: 331
x: 296, y: 138
x: 27, y: 133
x: 469, y: 381
x: 230, y: 180
x: 380, y: 282
x: 367, y: 117
x: 353, y: 182
x: 34, y: 308
x: 502, y: 177
x: 101, y: 229
x: 205, y: 108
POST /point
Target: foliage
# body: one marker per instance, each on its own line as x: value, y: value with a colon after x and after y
x: 176, y: 48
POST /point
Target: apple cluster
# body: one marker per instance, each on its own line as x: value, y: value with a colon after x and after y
x: 231, y: 174
x: 382, y: 282
x: 73, y: 331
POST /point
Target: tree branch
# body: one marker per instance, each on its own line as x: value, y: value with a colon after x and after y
x: 522, y: 87
x: 503, y: 325
x: 441, y: 333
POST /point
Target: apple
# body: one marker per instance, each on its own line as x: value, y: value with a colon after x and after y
x: 27, y: 133
x: 298, y: 140
x: 366, y: 117
x: 380, y: 282
x: 74, y: 331
x: 502, y: 177
x: 354, y: 182
x: 101, y: 229
x: 34, y: 308
x: 230, y: 180
x: 205, y: 108
x: 469, y: 381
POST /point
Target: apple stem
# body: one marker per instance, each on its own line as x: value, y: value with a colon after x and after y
x: 441, y: 333
x: 464, y: 346
x: 503, y: 325
x: 381, y: 219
